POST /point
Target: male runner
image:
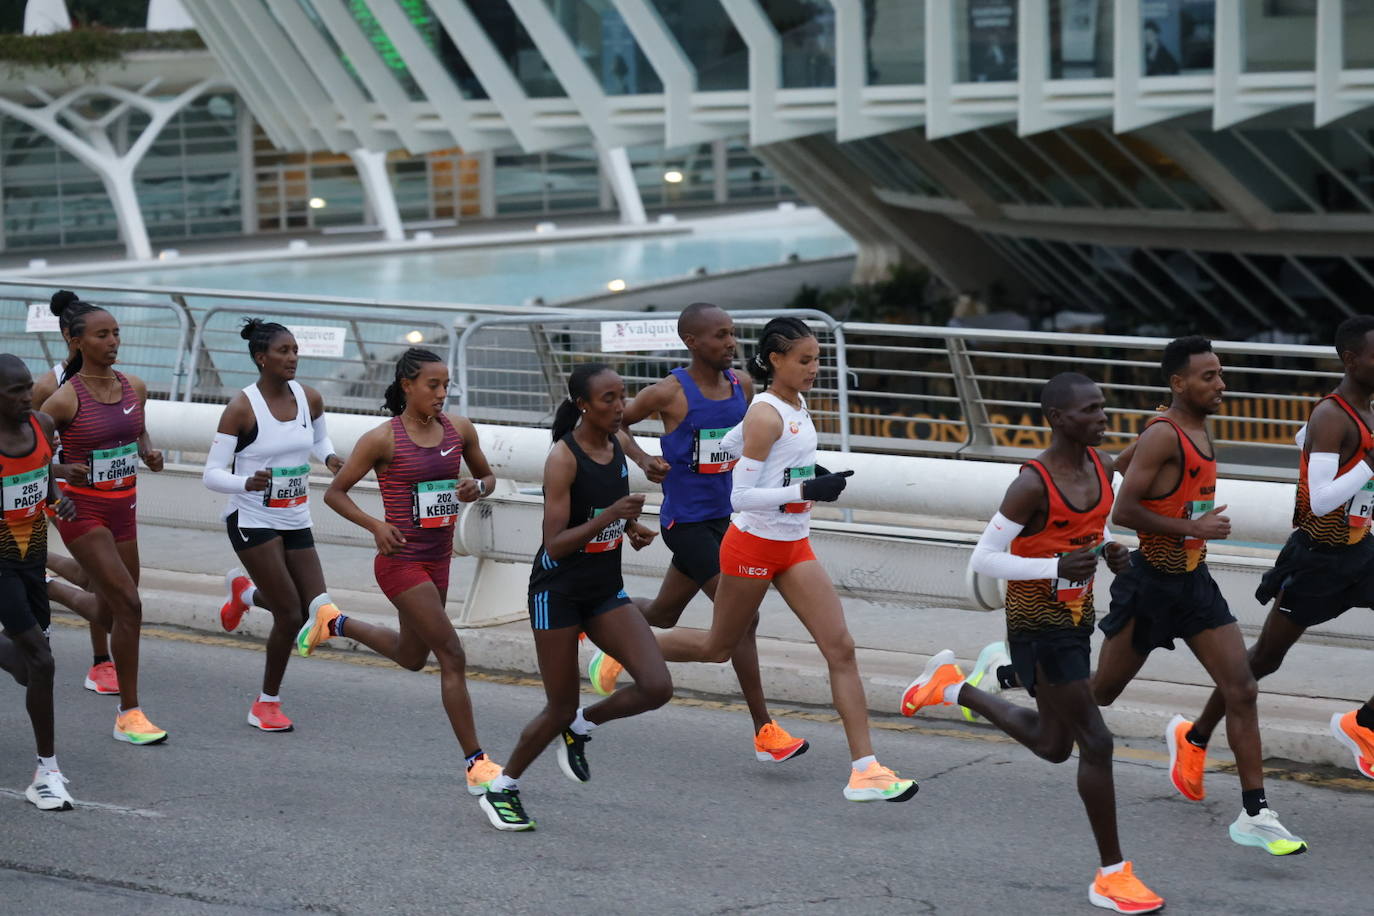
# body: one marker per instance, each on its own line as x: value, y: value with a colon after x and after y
x: 698, y: 404
x: 1045, y: 541
x: 1167, y: 593
x: 1327, y: 566
x: 26, y: 488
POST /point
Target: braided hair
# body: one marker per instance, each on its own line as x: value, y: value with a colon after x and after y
x: 778, y: 336
x: 407, y: 367
x: 259, y: 335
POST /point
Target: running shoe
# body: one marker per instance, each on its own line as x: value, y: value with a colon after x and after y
x: 316, y: 629
x: 48, y: 792
x: 1124, y: 892
x: 774, y: 745
x: 929, y: 688
x: 268, y: 717
x: 984, y: 676
x: 504, y: 810
x: 1186, y: 760
x: 878, y: 783
x: 572, y: 756
x: 1359, y: 739
x: 102, y: 679
x: 1265, y: 831
x: 236, y: 582
x: 481, y: 773
x: 603, y: 672
x: 133, y: 726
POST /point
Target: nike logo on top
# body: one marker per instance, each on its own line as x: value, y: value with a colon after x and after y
x: 130, y: 409
x: 445, y: 452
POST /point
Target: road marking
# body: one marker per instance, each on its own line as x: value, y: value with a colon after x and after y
x: 95, y: 806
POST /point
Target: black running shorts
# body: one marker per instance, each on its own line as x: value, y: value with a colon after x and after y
x: 242, y: 539
x: 696, y: 547
x: 1063, y: 655
x: 23, y: 599
x: 1164, y: 606
x: 554, y: 611
x: 1319, y: 583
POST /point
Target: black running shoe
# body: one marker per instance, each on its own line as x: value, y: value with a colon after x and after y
x: 504, y: 810
x: 572, y: 758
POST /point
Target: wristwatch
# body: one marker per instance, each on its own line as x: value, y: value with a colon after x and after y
x: 481, y: 488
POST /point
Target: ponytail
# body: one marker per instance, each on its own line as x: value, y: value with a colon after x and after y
x: 778, y: 336
x: 407, y: 367
x: 565, y: 418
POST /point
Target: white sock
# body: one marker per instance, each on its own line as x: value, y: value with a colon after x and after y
x: 249, y: 596
x: 48, y: 764
x: 952, y: 693
x: 864, y: 763
x: 1113, y: 869
x: 122, y: 710
x: 580, y: 725
x: 265, y: 698
x: 504, y: 783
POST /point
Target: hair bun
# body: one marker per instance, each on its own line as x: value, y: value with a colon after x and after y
x: 250, y: 327
x: 60, y: 300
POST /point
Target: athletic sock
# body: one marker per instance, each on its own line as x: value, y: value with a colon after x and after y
x: 1364, y: 717
x: 1006, y: 677
x: 249, y: 596
x: 951, y: 694
x: 1253, y: 800
x: 48, y: 764
x: 1113, y: 869
x: 580, y: 726
x: 475, y: 756
x: 504, y: 783
x: 1195, y: 738
x: 864, y: 763
x: 100, y: 659
x: 122, y: 710
x: 336, y: 625
x: 268, y: 698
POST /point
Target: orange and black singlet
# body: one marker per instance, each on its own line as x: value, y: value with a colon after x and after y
x: 1048, y: 604
x: 24, y: 491
x: 1347, y: 523
x: 1194, y: 497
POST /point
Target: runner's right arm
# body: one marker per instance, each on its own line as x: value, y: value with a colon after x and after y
x: 992, y: 556
x: 559, y: 540
x: 373, y: 449
x: 654, y: 399
x: 61, y: 407
x: 1330, y: 433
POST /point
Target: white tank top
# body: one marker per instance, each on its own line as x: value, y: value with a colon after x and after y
x: 285, y: 448
x: 791, y: 460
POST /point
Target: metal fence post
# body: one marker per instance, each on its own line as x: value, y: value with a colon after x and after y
x: 970, y: 398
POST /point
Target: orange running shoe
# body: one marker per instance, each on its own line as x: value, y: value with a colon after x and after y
x: 316, y: 629
x: 603, y: 672
x: 236, y: 582
x: 1359, y: 739
x: 481, y: 773
x: 269, y: 718
x: 102, y: 679
x: 774, y: 745
x: 929, y: 688
x: 1186, y: 760
x: 878, y: 783
x: 133, y: 726
x: 1124, y: 892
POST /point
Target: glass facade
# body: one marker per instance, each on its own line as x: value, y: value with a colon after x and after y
x: 1357, y: 35
x: 1300, y: 171
x: 986, y: 47
x: 708, y: 38
x: 606, y: 46
x: 308, y: 8
x: 515, y: 46
x: 386, y: 52
x: 807, y: 31
x: 895, y: 38
x: 1178, y: 36
x: 1079, y: 40
x: 889, y: 169
x: 1279, y: 35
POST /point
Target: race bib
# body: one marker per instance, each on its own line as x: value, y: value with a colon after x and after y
x: 1361, y: 506
x: 710, y: 456
x: 436, y: 503
x: 1068, y: 591
x: 23, y: 494
x: 114, y: 468
x: 1195, y: 510
x: 797, y: 475
x: 288, y: 487
x: 608, y: 538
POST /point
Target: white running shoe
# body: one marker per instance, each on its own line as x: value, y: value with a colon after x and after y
x: 1264, y: 831
x: 49, y: 791
x: 984, y: 674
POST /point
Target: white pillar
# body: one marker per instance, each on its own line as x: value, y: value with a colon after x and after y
x: 119, y: 184
x: 43, y: 17
x: 615, y: 166
x: 164, y: 15
x: 371, y: 166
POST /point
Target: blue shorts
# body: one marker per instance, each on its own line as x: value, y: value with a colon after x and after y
x: 554, y: 611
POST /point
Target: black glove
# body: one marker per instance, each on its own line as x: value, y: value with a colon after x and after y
x: 821, y: 470
x: 825, y: 488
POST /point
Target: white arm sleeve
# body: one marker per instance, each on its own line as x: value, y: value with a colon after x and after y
x: 745, y: 492
x: 322, y: 447
x: 1107, y: 533
x: 993, y: 557
x: 217, y: 475
x: 1326, y: 490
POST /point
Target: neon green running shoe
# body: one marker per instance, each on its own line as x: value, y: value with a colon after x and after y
x: 984, y: 676
x: 1264, y: 831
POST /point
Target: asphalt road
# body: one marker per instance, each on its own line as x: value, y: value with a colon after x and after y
x: 362, y: 810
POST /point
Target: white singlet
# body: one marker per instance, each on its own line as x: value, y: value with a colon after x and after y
x: 283, y: 446
x: 792, y: 459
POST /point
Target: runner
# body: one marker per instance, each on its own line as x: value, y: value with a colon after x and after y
x: 1327, y: 566
x: 575, y: 585
x: 101, y: 679
x: 698, y: 405
x: 99, y: 414
x: 1047, y: 549
x: 261, y: 458
x: 417, y: 461
x: 773, y: 487
x: 1167, y: 593
x: 26, y: 485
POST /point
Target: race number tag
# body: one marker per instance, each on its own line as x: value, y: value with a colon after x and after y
x: 1361, y: 506
x: 710, y: 456
x: 436, y: 503
x: 1196, y: 509
x: 797, y: 475
x: 288, y: 487
x: 114, y: 468
x: 608, y: 538
x: 1066, y: 590
x: 23, y: 494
